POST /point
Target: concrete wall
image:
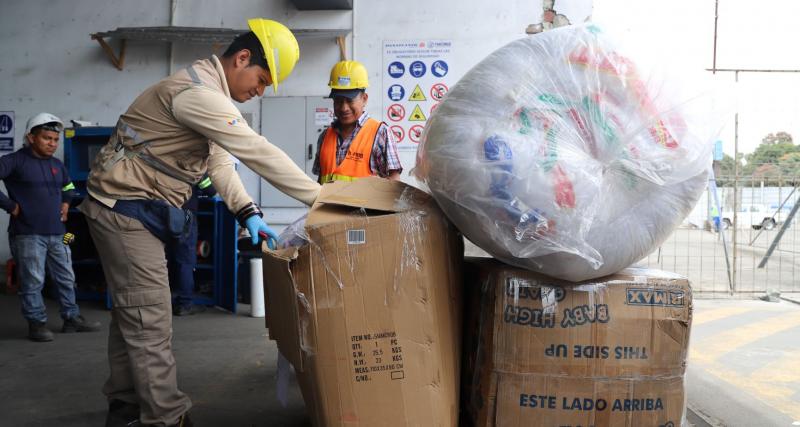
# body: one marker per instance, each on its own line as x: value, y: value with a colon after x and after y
x: 49, y: 63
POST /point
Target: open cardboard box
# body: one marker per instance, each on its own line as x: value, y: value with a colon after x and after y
x: 369, y: 310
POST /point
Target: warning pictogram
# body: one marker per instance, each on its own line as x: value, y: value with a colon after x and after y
x: 396, y: 69
x: 438, y: 90
x: 439, y: 68
x: 435, y: 106
x: 417, y: 115
x: 398, y: 132
x: 417, y: 95
x: 417, y: 69
x: 396, y: 112
x: 6, y: 124
x: 396, y: 92
x: 415, y: 133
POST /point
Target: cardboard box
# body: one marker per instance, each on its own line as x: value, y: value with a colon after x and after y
x: 554, y: 401
x: 618, y: 344
x: 369, y: 312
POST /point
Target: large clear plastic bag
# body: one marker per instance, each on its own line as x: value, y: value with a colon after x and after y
x: 557, y: 154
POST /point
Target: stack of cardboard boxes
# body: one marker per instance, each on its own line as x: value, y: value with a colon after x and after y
x: 369, y: 312
x: 544, y: 352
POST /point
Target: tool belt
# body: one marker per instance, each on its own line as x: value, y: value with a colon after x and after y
x: 169, y: 224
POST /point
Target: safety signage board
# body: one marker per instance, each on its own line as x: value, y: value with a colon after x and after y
x: 416, y: 76
x: 6, y: 131
x: 323, y: 116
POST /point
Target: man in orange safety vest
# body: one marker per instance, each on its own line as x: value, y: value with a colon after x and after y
x: 355, y: 145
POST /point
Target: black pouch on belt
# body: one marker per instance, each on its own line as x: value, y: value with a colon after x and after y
x: 168, y: 223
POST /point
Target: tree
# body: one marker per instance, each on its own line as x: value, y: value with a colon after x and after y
x: 773, y: 158
x: 767, y: 172
x: 727, y: 170
x: 790, y: 166
x: 776, y: 161
x: 776, y: 138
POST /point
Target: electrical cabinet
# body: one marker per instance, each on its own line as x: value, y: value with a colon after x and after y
x: 293, y: 124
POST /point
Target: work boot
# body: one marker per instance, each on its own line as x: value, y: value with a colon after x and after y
x: 79, y: 324
x: 183, y: 421
x: 188, y: 311
x: 122, y: 414
x: 37, y: 331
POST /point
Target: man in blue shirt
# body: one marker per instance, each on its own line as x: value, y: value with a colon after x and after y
x: 39, y: 192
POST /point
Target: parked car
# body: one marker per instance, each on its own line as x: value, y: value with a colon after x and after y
x: 754, y: 215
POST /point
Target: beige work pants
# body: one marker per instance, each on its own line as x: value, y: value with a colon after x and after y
x: 140, y: 356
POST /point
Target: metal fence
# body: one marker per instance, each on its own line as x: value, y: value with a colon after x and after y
x: 732, y: 256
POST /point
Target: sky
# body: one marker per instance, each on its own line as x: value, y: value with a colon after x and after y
x: 753, y: 35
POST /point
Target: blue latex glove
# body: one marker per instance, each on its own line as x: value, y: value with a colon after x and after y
x: 258, y: 229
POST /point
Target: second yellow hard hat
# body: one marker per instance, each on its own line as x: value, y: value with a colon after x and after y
x: 347, y: 75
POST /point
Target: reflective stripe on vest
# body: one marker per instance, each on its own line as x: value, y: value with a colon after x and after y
x: 356, y: 162
x: 205, y: 183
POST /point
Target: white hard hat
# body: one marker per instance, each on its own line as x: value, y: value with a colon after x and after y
x: 42, y: 119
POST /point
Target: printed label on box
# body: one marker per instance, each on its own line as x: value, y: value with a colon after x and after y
x: 376, y: 354
x: 356, y: 237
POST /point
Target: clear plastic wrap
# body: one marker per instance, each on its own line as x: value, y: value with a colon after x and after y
x: 294, y: 234
x: 557, y: 154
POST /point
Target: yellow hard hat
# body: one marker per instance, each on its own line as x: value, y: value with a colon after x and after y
x: 280, y: 47
x: 347, y: 75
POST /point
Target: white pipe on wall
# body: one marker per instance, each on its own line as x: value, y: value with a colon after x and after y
x: 353, y: 33
x: 173, y: 6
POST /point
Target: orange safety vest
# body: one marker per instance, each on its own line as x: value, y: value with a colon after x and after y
x: 356, y: 163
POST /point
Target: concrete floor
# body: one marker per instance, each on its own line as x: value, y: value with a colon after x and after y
x: 744, y: 362
x: 744, y: 368
x: 226, y: 365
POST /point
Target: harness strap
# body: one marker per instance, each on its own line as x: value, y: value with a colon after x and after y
x: 141, y: 149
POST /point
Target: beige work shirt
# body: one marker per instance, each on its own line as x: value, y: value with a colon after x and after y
x: 189, y: 123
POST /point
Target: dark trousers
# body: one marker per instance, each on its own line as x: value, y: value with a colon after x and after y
x: 181, y: 261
